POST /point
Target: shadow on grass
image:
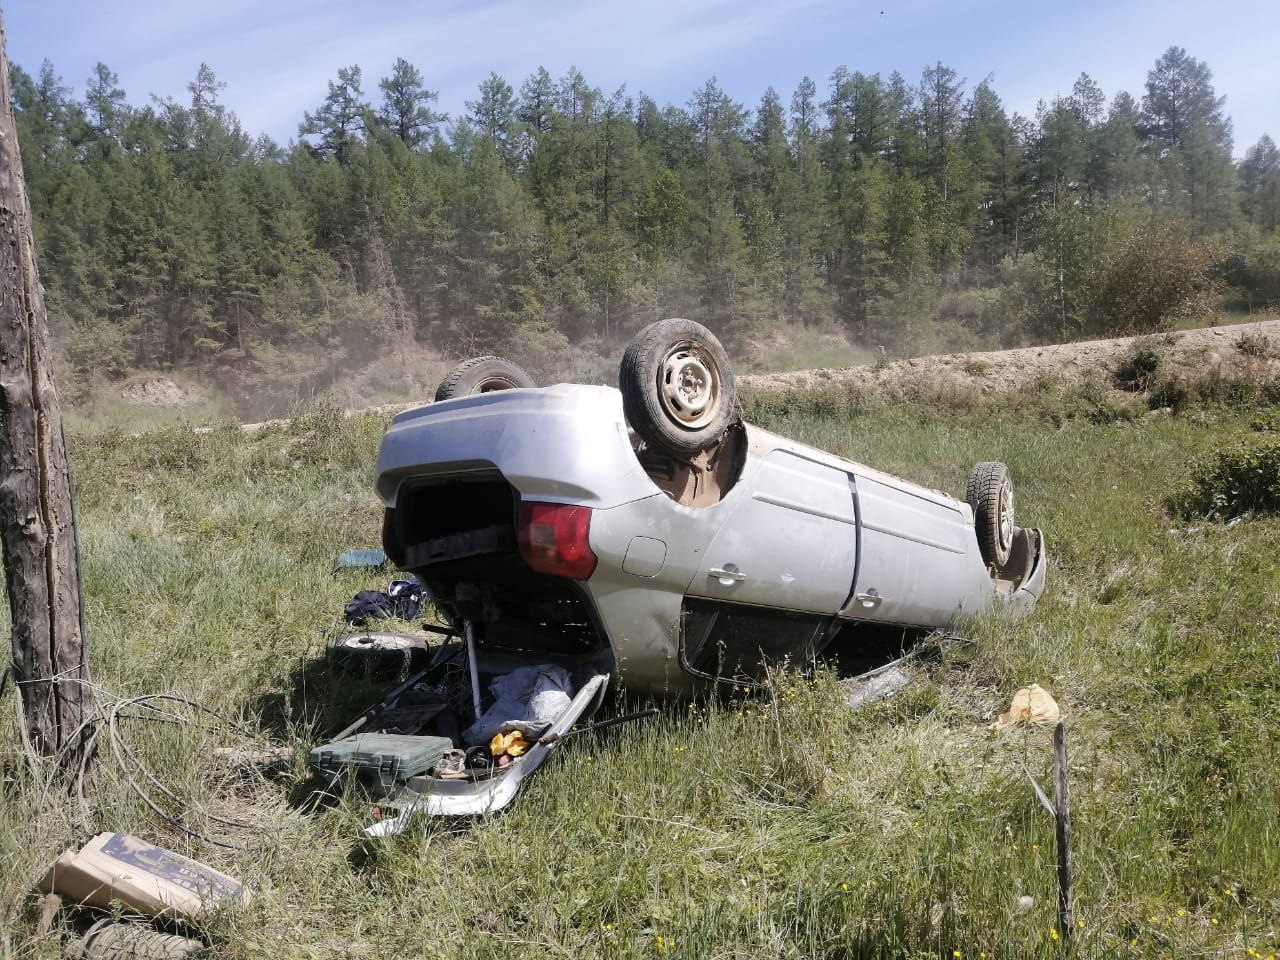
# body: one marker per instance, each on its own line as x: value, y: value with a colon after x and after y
x: 321, y: 695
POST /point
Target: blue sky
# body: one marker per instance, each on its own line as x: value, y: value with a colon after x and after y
x: 276, y: 55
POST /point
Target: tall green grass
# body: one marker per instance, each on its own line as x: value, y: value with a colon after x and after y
x: 782, y: 826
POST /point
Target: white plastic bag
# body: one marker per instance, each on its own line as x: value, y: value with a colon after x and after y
x: 533, y: 696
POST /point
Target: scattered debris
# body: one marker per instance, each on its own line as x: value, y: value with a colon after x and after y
x: 1032, y: 704
x: 860, y: 691
x: 270, y: 762
x: 372, y: 558
x: 379, y: 761
x: 527, y: 700
x: 403, y: 599
x: 114, y: 940
x: 117, y: 867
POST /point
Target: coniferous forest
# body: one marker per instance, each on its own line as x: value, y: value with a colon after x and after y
x: 551, y: 219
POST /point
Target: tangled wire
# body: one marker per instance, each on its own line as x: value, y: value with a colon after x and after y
x: 107, y: 716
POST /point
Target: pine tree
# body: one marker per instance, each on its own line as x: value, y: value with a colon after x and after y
x: 494, y: 115
x: 339, y: 121
x: 408, y: 107
x: 105, y: 103
x: 1190, y: 136
x: 1260, y: 184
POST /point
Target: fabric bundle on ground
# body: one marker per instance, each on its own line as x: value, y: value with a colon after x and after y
x: 528, y: 699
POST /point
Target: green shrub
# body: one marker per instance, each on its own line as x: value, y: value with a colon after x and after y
x: 1240, y: 480
x: 1157, y: 274
x: 1267, y: 422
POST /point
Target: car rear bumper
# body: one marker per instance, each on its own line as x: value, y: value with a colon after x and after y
x: 566, y: 443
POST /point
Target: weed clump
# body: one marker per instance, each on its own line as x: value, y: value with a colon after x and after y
x: 1254, y: 345
x: 1241, y: 480
x: 1137, y: 371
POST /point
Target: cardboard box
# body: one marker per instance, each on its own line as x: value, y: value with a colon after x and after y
x: 146, y: 878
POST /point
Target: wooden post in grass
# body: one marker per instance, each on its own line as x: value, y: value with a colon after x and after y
x: 1062, y: 820
x: 37, y: 526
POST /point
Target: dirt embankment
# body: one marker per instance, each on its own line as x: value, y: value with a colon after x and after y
x: 1240, y: 349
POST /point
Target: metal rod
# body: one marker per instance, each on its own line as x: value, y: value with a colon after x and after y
x: 470, y: 631
x: 612, y: 721
x: 1066, y: 907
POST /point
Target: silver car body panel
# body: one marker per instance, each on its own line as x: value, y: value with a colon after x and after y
x: 801, y: 529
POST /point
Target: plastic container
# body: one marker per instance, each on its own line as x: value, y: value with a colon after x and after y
x: 379, y: 761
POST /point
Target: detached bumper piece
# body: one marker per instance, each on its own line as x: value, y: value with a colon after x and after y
x: 486, y: 791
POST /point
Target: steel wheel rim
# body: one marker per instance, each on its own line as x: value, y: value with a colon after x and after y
x: 689, y: 386
x: 1007, y: 525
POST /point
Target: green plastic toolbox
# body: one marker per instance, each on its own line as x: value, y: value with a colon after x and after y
x: 379, y: 760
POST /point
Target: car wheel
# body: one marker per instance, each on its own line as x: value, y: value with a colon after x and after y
x: 379, y: 652
x: 677, y: 388
x: 482, y: 375
x: 990, y: 494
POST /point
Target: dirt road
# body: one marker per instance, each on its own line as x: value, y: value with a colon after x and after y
x: 1240, y: 348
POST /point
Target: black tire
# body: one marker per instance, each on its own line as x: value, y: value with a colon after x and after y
x: 677, y: 387
x: 482, y: 375
x: 379, y: 653
x: 990, y: 494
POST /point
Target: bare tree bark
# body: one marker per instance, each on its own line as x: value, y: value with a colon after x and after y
x: 37, y: 524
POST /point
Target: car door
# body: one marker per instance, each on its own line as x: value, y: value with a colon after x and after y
x: 789, y: 543
x: 914, y: 566
x: 775, y: 573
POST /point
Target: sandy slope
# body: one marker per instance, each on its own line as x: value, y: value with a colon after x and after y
x: 1207, y: 350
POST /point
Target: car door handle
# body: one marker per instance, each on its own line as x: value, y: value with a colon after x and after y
x: 728, y: 575
x: 869, y: 600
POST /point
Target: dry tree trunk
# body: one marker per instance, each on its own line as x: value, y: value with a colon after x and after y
x: 37, y: 524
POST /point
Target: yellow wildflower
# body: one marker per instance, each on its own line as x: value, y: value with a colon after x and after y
x: 1053, y: 934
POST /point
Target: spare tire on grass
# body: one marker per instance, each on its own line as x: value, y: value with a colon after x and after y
x: 677, y: 387
x: 379, y: 653
x: 482, y: 375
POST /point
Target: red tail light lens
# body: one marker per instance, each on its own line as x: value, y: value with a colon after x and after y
x: 554, y: 539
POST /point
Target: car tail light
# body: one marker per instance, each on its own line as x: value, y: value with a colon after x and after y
x: 554, y: 539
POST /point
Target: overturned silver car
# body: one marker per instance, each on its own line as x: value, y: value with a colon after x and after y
x: 647, y: 534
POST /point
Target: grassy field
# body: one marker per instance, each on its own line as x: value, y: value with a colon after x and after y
x: 781, y: 826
